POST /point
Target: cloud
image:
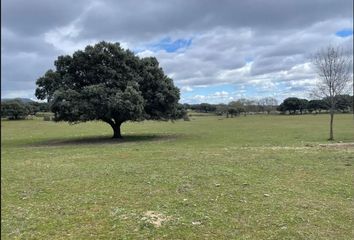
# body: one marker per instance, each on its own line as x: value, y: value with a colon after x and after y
x: 64, y: 39
x: 33, y: 18
x: 215, y: 98
x: 260, y: 49
x: 187, y: 89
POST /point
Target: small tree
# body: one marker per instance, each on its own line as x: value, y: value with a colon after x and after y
x: 35, y: 107
x: 303, y: 105
x: 281, y: 108
x: 291, y: 104
x: 237, y: 106
x: 232, y: 112
x: 344, y: 103
x: 316, y: 105
x: 105, y: 82
x: 334, y: 69
x: 14, y: 110
x: 221, y: 109
x: 267, y: 104
x: 206, y: 107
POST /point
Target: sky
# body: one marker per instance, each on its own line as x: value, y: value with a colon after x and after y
x: 215, y: 51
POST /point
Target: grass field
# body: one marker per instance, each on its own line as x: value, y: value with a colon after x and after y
x: 254, y: 177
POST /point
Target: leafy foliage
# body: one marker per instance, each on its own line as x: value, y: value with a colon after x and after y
x: 14, y: 110
x: 316, y: 105
x: 290, y: 104
x: 344, y: 103
x: 105, y: 82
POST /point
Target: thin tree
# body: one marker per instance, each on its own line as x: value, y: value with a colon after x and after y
x: 334, y: 69
x: 267, y: 104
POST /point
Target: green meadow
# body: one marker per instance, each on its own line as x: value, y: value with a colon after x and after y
x: 253, y: 177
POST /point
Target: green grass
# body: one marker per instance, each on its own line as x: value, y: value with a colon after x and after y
x: 254, y: 177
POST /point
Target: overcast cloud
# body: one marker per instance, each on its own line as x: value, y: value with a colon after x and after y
x: 215, y: 51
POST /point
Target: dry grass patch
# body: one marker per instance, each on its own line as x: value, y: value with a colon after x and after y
x: 339, y: 145
x: 155, y: 218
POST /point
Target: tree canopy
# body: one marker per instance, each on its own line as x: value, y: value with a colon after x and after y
x: 14, y: 109
x: 106, y: 82
x: 316, y: 105
x: 290, y: 104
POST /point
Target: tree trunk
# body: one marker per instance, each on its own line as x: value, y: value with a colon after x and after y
x: 116, y: 127
x: 331, y: 126
x: 116, y: 131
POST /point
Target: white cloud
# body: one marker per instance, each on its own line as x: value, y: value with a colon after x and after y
x: 187, y: 89
x: 63, y: 39
x: 221, y: 94
x: 216, y: 97
x: 262, y: 47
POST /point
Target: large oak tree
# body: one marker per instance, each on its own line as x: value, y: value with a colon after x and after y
x: 106, y: 82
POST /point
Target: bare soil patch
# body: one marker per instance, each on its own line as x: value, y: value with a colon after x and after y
x: 338, y: 145
x: 155, y: 218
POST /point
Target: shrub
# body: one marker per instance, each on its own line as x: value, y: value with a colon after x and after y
x: 13, y: 110
x: 47, y: 118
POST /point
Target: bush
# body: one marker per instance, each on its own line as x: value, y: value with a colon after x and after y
x: 48, y: 118
x: 30, y: 117
x: 13, y: 110
x: 43, y: 114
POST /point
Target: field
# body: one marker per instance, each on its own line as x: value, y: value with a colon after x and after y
x: 254, y: 177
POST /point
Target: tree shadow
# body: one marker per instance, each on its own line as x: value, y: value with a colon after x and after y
x: 99, y: 140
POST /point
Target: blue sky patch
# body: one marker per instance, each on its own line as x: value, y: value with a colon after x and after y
x: 171, y: 46
x: 346, y: 32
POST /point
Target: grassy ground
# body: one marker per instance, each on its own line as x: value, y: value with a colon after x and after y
x: 254, y: 177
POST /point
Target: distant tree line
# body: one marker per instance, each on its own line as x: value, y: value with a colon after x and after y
x: 293, y: 105
x: 268, y: 105
x: 235, y: 108
x: 16, y: 109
